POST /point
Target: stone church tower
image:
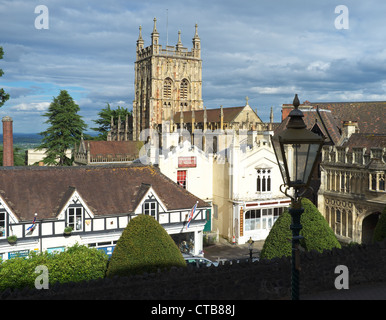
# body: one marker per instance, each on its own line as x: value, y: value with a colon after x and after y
x: 167, y: 80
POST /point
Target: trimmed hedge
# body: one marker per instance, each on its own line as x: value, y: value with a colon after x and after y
x: 380, y: 228
x: 144, y: 246
x: 316, y: 232
x: 76, y: 263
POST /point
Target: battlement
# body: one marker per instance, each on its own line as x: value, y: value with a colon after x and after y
x: 177, y: 51
x: 355, y: 156
x: 168, y: 51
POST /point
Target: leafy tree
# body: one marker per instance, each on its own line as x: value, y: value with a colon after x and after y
x: 3, y: 96
x: 144, y: 246
x: 104, y: 121
x: 18, y: 156
x: 75, y: 264
x: 316, y: 232
x: 380, y: 228
x: 65, y: 130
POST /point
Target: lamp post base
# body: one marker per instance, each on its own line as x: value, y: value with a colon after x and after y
x: 295, y: 212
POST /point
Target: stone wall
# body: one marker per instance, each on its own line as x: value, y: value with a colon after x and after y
x: 266, y: 279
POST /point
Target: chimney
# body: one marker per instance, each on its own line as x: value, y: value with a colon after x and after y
x: 349, y: 127
x: 7, y: 142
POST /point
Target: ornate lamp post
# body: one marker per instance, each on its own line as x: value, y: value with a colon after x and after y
x: 297, y: 150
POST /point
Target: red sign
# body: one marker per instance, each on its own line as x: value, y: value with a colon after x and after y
x: 187, y: 162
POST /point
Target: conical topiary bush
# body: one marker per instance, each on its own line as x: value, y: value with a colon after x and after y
x: 316, y: 232
x: 144, y: 246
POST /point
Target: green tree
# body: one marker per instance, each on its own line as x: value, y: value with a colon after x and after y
x: 380, y: 228
x: 316, y: 232
x: 144, y: 246
x: 3, y: 96
x: 18, y: 156
x: 66, y: 128
x: 104, y: 121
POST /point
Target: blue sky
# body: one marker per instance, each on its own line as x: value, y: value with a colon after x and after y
x: 266, y: 50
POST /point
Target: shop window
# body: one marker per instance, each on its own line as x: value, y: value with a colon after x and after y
x: 256, y: 219
x: 181, y: 178
x: 252, y: 220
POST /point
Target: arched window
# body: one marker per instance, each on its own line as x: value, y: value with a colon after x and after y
x: 263, y: 180
x: 168, y: 88
x: 184, y: 89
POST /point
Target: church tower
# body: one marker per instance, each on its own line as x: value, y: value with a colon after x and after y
x: 167, y: 81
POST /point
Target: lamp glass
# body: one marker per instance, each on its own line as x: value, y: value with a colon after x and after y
x: 302, y: 156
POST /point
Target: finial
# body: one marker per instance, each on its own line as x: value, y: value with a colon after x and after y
x: 140, y: 33
x: 155, y: 26
x: 196, y: 32
x: 296, y: 102
x: 246, y: 101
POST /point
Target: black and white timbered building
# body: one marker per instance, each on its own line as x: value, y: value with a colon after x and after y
x: 96, y: 202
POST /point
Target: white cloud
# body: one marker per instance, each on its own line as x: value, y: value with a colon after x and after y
x: 31, y: 107
x: 268, y: 50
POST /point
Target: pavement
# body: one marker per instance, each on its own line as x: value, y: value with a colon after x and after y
x: 223, y: 250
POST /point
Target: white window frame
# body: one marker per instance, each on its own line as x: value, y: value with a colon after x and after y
x: 150, y: 208
x: 3, y: 224
x: 76, y: 224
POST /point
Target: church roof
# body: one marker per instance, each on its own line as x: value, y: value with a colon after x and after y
x: 112, y: 147
x: 107, y: 190
x: 213, y: 115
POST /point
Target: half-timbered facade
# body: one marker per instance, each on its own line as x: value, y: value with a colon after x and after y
x: 96, y: 202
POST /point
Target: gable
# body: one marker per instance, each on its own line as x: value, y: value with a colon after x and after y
x: 75, y: 200
x: 12, y: 218
x: 150, y: 195
x: 246, y: 115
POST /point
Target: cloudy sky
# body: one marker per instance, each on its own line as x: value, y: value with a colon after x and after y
x: 266, y: 50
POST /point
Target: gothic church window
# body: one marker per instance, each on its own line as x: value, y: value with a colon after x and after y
x: 184, y: 89
x: 168, y: 88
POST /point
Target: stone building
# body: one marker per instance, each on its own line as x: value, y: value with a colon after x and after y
x: 167, y: 80
x: 352, y: 193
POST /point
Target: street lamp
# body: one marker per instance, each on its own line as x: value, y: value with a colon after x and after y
x: 297, y: 150
x: 250, y: 248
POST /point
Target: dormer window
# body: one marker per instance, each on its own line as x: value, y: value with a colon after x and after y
x: 2, y: 223
x: 75, y: 218
x: 150, y: 208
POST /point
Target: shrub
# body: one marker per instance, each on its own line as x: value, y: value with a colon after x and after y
x: 144, y: 246
x: 380, y: 228
x: 316, y: 232
x: 75, y: 264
